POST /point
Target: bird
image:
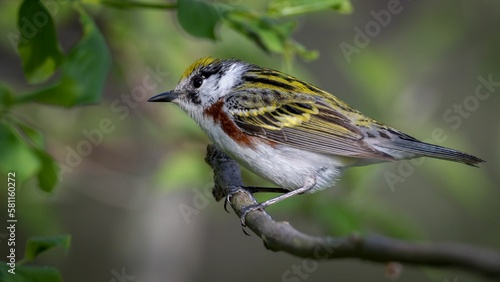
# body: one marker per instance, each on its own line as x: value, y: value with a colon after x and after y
x: 287, y: 131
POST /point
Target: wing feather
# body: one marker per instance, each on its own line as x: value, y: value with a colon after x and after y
x: 302, y: 121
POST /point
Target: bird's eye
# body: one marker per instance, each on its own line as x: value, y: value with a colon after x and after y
x: 197, y: 81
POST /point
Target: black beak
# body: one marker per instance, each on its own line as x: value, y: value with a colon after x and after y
x: 165, y: 97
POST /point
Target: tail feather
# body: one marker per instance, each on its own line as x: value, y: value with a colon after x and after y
x: 422, y: 149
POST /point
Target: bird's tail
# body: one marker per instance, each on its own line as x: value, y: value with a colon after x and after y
x: 408, y: 144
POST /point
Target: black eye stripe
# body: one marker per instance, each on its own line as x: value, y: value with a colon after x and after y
x: 212, y: 69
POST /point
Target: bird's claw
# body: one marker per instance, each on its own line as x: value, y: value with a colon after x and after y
x: 226, y: 201
x: 244, y: 231
x: 231, y: 190
x: 246, y: 210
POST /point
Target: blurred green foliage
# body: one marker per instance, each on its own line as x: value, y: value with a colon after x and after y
x: 279, y: 8
x: 34, y: 247
x: 83, y: 71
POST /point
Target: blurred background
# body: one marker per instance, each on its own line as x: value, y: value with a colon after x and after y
x: 138, y: 203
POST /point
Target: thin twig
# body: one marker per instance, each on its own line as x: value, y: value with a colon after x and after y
x: 121, y: 4
x: 281, y: 236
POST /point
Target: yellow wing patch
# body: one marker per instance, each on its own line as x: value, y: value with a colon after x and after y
x: 276, y: 117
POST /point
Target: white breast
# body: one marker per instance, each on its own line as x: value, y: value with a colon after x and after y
x: 285, y: 166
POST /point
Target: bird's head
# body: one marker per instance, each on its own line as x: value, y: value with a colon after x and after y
x: 203, y: 83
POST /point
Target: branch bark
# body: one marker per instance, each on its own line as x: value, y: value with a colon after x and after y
x: 281, y: 236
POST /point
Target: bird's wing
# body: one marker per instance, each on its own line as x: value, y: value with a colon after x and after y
x: 302, y: 121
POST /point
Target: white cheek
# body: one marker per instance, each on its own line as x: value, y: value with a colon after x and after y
x: 232, y: 76
x: 213, y: 89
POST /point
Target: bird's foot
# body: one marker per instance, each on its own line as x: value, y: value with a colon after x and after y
x: 248, y: 209
x: 232, y: 190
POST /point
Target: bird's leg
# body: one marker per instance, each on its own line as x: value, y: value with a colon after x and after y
x: 250, y: 189
x: 253, y: 189
x: 308, y: 185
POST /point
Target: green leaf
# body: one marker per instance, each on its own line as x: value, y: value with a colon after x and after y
x: 32, y: 135
x: 279, y: 8
x: 15, y: 155
x: 37, y: 245
x: 6, y: 97
x: 302, y: 51
x: 268, y: 34
x: 198, y: 18
x: 83, y: 72
x: 38, y: 45
x: 30, y: 274
x: 48, y: 175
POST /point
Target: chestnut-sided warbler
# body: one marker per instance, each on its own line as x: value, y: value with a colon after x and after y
x: 286, y: 130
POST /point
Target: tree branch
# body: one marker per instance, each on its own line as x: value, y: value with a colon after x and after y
x: 281, y: 236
